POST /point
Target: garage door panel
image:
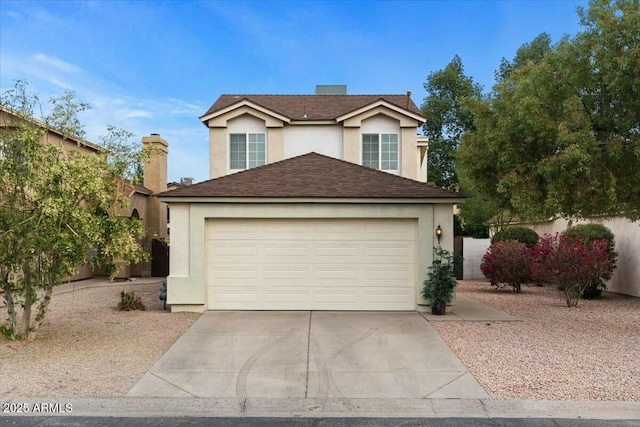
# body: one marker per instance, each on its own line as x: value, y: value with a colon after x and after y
x: 290, y: 273
x: 222, y: 295
x: 285, y: 231
x: 338, y: 296
x: 311, y: 264
x: 274, y: 251
x: 221, y: 249
x: 324, y: 273
x: 383, y: 273
x: 399, y: 253
x: 337, y: 248
x: 233, y: 230
x: 388, y: 297
x: 286, y: 296
x: 391, y: 231
x: 221, y: 274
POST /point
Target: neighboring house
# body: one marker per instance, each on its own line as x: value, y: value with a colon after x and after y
x: 315, y: 202
x: 142, y: 205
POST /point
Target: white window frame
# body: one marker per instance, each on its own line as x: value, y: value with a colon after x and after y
x: 379, y: 136
x: 247, y: 159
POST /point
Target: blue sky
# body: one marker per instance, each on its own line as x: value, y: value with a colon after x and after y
x: 156, y: 66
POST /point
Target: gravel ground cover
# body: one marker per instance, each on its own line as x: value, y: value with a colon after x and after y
x: 591, y: 352
x: 89, y: 348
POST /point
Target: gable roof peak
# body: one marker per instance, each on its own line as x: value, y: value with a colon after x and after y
x: 311, y: 107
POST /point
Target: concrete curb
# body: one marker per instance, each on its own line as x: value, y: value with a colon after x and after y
x: 264, y: 407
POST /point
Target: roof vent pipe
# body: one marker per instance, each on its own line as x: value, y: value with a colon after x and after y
x: 408, y: 98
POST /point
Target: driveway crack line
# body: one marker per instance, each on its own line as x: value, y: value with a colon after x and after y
x: 172, y: 384
x: 444, y: 385
x: 306, y: 380
x: 484, y: 408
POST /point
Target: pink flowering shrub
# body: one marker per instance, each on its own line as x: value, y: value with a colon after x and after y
x: 507, y: 262
x: 571, y: 263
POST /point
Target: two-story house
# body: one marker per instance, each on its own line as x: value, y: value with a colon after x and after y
x: 316, y: 202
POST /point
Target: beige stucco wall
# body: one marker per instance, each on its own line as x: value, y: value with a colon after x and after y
x: 443, y: 216
x: 351, y: 145
x: 626, y: 277
x: 322, y: 139
x: 409, y: 153
x: 218, y: 152
x: 275, y: 141
x: 179, y: 257
x: 187, y: 279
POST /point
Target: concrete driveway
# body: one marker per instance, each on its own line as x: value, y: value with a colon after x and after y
x: 309, y: 355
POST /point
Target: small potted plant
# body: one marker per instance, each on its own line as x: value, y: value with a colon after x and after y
x: 441, y: 283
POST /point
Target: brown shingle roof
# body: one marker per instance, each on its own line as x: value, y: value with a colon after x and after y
x: 316, y: 107
x: 309, y: 176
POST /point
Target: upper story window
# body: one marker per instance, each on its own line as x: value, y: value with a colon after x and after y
x: 380, y: 151
x: 247, y: 150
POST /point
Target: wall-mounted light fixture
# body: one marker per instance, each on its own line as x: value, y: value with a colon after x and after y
x: 438, y: 233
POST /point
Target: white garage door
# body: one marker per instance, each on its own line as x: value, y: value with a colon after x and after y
x: 311, y: 264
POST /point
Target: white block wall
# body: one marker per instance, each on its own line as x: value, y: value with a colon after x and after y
x: 473, y: 250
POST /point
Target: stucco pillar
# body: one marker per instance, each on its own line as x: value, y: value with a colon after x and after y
x: 179, y: 248
x: 443, y: 216
x: 408, y: 146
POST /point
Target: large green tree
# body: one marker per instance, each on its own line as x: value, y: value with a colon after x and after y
x: 532, y: 52
x: 447, y: 119
x: 560, y: 134
x: 57, y: 205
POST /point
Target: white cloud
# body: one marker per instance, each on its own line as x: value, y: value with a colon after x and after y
x: 57, y: 63
x: 133, y: 114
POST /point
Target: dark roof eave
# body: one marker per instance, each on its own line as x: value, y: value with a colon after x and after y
x: 306, y: 199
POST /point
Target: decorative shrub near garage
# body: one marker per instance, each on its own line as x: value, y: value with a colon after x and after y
x: 507, y: 262
x: 571, y: 263
x: 441, y: 282
x: 130, y: 301
x: 520, y: 234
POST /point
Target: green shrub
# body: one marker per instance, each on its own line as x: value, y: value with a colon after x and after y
x: 520, y: 234
x: 441, y: 281
x: 130, y: 301
x: 589, y: 233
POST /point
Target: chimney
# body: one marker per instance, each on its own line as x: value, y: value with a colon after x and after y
x: 155, y: 179
x: 331, y: 89
x: 155, y: 168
